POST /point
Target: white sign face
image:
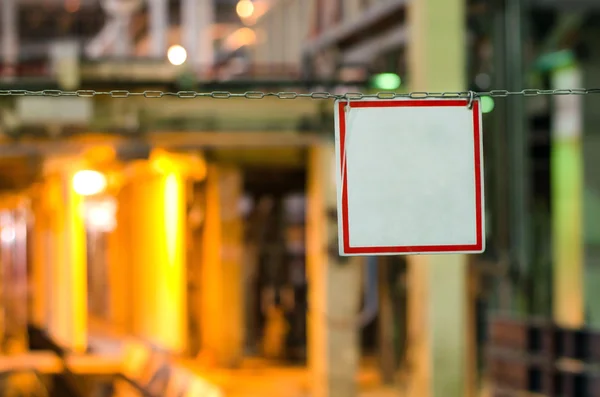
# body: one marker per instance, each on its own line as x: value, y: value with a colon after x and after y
x: 409, y: 177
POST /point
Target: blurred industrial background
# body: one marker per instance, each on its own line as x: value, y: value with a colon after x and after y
x: 158, y: 242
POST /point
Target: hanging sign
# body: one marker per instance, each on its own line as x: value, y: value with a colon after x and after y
x: 409, y: 176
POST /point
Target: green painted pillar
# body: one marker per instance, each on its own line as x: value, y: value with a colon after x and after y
x: 567, y: 201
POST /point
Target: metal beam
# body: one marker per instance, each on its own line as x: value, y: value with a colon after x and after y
x: 120, y: 80
x: 568, y: 22
x: 115, y: 34
x: 84, y: 3
x: 566, y: 4
x: 369, y: 18
x: 366, y: 51
x: 167, y: 140
x: 99, y: 45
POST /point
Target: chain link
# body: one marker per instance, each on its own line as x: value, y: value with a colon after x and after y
x: 351, y: 96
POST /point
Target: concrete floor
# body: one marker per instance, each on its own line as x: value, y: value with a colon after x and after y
x: 259, y: 378
x: 262, y: 378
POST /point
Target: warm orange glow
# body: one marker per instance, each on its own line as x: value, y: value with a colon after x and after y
x: 244, y: 8
x: 101, y: 215
x: 165, y: 163
x: 240, y: 38
x: 155, y: 204
x: 172, y: 265
x: 260, y: 8
x: 89, y: 183
x: 135, y: 357
x: 172, y: 217
x: 72, y: 5
x: 200, y: 387
x: 8, y: 233
x: 100, y: 154
x: 220, y: 282
x: 76, y: 266
x: 65, y: 259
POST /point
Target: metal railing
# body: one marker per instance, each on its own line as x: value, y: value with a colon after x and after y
x: 542, y: 358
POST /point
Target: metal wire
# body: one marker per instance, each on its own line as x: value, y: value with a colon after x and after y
x: 298, y: 95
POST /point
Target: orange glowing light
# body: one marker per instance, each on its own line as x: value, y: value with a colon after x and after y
x: 244, y: 8
x: 89, y: 183
x: 240, y: 38
x: 72, y: 5
x: 177, y: 55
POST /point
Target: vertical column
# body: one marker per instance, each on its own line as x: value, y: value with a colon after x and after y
x: 293, y: 52
x: 14, y: 275
x: 334, y: 287
x: 497, y: 190
x: 171, y: 275
x: 39, y: 304
x: 437, y: 295
x: 352, y: 9
x: 206, y: 19
x: 567, y: 199
x: 261, y: 50
x: 157, y: 208
x: 120, y: 269
x: 9, y: 33
x: 189, y: 29
x: 67, y: 263
x: 64, y: 58
x: 123, y: 44
x: 159, y: 25
x: 281, y: 35
x: 518, y: 145
x: 197, y: 19
x: 386, y: 323
x: 270, y: 21
x: 330, y: 11
x: 275, y: 25
x: 222, y: 331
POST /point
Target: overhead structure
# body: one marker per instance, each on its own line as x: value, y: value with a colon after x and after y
x: 569, y: 5
x: 159, y: 25
x: 197, y: 18
x: 9, y: 33
x: 115, y: 38
x: 359, y: 36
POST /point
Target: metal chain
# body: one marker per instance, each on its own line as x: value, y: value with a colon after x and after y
x: 296, y: 95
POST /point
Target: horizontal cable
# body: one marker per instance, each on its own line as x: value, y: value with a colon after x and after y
x: 350, y: 96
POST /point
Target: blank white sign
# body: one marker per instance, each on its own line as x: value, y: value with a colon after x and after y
x: 409, y: 177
